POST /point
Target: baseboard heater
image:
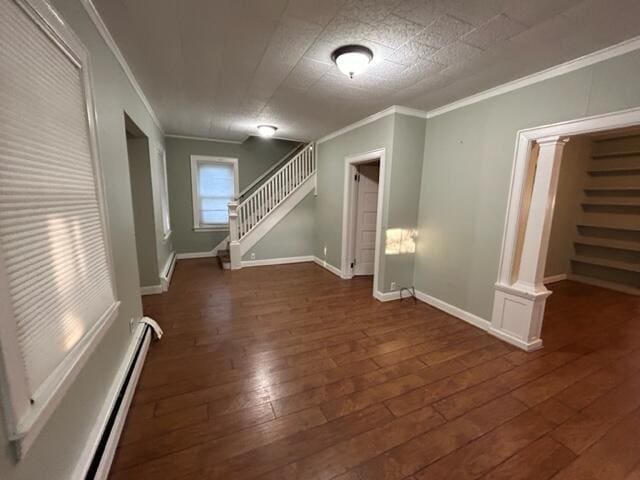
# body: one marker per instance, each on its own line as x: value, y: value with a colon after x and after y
x: 103, y: 456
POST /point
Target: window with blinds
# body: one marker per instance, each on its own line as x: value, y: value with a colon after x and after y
x: 164, y: 194
x: 214, y: 184
x: 56, y: 286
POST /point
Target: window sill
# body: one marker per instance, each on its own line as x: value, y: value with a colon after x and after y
x: 212, y: 228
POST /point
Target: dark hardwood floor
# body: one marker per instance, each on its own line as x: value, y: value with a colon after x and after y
x: 288, y: 372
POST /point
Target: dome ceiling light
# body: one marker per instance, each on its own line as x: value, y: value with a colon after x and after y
x: 266, y: 130
x: 352, y: 59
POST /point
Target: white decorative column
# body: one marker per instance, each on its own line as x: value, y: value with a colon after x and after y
x: 520, y: 295
x: 234, y: 243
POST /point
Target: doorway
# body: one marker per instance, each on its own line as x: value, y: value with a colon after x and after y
x: 362, y: 215
x: 143, y: 209
x: 520, y: 294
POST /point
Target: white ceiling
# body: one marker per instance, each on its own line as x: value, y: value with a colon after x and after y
x: 217, y: 68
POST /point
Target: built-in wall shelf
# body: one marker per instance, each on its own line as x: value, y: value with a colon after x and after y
x: 608, y: 243
x: 631, y: 153
x: 614, y: 171
x: 603, y: 262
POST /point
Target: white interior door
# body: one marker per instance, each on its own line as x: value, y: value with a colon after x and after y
x: 366, y: 214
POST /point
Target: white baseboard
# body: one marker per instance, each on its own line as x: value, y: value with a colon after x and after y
x: 388, y: 296
x: 454, y: 311
x: 95, y: 435
x: 277, y: 261
x: 328, y: 266
x: 152, y: 290
x: 167, y: 272
x: 556, y: 278
x: 212, y: 253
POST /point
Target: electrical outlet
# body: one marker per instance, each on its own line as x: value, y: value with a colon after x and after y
x: 253, y: 256
x: 393, y: 286
x: 325, y: 250
x: 132, y: 325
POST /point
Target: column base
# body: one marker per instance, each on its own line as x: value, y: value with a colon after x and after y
x: 517, y: 316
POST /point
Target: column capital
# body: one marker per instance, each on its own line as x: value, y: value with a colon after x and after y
x: 552, y: 140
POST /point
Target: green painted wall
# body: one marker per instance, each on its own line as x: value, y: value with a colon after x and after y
x: 467, y: 169
x: 291, y: 237
x: 55, y: 452
x: 403, y: 138
x: 143, y: 214
x: 255, y: 156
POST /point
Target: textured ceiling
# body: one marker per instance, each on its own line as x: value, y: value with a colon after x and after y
x: 217, y: 68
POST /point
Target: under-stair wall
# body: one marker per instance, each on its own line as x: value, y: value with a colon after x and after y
x: 606, y: 234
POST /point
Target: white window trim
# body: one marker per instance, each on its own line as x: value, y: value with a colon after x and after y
x: 165, y: 211
x: 25, y: 419
x: 195, y: 161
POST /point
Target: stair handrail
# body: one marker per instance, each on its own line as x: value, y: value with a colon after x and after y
x: 288, y: 156
x: 245, y: 215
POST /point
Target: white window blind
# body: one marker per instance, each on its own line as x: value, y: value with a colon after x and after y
x: 55, y: 272
x: 215, y: 184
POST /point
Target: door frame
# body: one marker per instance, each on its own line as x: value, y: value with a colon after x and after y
x: 349, y: 210
x: 520, y: 295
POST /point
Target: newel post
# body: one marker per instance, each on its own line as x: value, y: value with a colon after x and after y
x: 234, y: 241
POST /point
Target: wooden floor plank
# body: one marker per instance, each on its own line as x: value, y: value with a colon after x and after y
x: 288, y: 372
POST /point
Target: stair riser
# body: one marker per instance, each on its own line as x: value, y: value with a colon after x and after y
x: 620, y: 220
x: 629, y: 180
x: 621, y: 144
x: 614, y: 162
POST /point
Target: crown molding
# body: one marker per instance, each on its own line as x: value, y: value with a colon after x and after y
x: 203, y: 139
x: 572, y: 65
x: 95, y: 17
x: 372, y: 118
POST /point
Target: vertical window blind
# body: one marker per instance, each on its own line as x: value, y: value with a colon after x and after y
x: 55, y: 265
x: 215, y: 188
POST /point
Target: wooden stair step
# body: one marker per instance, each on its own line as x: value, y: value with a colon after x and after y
x: 603, y: 262
x: 608, y: 243
x: 613, y: 189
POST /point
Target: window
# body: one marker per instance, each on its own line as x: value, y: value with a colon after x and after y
x: 164, y: 195
x: 57, y: 296
x: 214, y: 181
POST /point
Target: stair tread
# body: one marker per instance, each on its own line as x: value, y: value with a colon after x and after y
x: 603, y: 262
x: 608, y: 243
x: 604, y: 188
x: 608, y: 226
x: 616, y: 154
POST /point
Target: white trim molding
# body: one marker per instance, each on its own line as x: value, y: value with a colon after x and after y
x: 372, y: 118
x: 277, y: 261
x: 326, y: 265
x: 556, y: 278
x: 204, y: 139
x: 212, y: 253
x: 454, y: 311
x: 520, y: 295
x: 151, y: 290
x: 387, y: 296
x: 95, y: 17
x: 95, y: 435
x: 613, y: 51
x: 348, y: 217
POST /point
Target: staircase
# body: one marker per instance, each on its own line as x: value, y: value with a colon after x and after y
x: 607, y: 241
x: 252, y: 217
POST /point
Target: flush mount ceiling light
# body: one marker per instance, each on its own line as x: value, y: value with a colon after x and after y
x: 352, y: 59
x: 266, y: 130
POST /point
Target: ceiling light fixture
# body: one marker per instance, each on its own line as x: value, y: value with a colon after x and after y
x: 266, y: 130
x: 352, y: 59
